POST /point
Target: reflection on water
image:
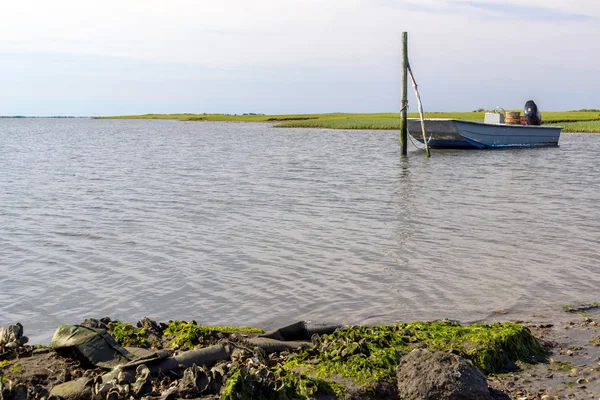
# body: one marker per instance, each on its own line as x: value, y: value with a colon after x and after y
x: 235, y: 223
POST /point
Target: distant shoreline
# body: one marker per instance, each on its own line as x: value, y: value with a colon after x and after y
x: 585, y: 120
x: 581, y: 121
x: 25, y: 117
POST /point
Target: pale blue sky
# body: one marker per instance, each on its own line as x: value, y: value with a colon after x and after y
x: 68, y: 57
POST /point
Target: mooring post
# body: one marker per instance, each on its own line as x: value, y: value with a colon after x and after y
x: 404, y: 100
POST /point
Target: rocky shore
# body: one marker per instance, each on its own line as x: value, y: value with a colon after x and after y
x: 97, y: 359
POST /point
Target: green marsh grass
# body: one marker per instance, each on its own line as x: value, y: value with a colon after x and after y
x: 345, y: 123
x: 581, y: 126
x: 571, y: 121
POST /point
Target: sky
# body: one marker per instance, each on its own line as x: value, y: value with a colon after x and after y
x: 121, y: 57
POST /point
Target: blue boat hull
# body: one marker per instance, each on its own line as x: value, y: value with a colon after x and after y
x: 458, y: 134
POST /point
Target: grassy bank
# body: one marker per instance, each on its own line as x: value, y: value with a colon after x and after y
x: 580, y: 126
x: 571, y: 121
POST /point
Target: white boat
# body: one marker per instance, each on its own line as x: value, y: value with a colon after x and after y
x: 461, y: 134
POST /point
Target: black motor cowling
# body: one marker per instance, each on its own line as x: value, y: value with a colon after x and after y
x: 533, y: 115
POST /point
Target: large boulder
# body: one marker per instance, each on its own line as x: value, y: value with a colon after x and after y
x: 425, y: 374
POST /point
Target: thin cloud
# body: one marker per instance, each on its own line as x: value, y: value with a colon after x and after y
x: 506, y: 10
x: 418, y: 6
x: 533, y: 13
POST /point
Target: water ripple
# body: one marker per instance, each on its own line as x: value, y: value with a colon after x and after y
x: 236, y: 223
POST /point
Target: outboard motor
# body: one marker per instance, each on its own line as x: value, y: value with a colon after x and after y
x: 533, y: 115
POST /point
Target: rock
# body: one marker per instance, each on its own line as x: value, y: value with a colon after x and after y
x: 195, y: 381
x: 40, y: 392
x: 113, y: 394
x: 5, y: 389
x: 170, y: 394
x: 41, y: 350
x: 19, y: 392
x: 12, y: 338
x: 150, y: 326
x: 96, y: 323
x: 143, y: 382
x: 73, y: 390
x: 425, y: 374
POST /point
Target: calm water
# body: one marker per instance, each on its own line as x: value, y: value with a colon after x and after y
x: 234, y: 223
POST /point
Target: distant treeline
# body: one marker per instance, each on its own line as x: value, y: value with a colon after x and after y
x: 22, y: 116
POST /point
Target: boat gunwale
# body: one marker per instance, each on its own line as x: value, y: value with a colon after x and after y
x: 486, y: 124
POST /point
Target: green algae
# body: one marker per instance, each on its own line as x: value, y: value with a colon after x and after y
x: 179, y: 334
x: 581, y: 308
x: 188, y: 335
x: 569, y: 385
x: 361, y: 353
x: 276, y: 383
x: 562, y: 366
x: 17, y: 369
x: 128, y: 335
x: 486, y: 346
x: 370, y: 354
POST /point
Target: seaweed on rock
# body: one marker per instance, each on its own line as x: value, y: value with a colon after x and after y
x: 188, y: 335
x: 367, y: 355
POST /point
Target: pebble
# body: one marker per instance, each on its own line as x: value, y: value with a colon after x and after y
x: 581, y: 381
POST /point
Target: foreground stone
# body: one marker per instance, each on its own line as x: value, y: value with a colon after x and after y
x: 425, y: 374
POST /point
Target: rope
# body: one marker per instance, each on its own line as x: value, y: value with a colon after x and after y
x: 414, y: 144
x: 410, y: 136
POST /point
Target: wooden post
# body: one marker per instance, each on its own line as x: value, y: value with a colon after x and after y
x: 404, y: 100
